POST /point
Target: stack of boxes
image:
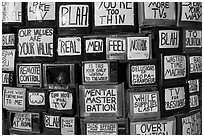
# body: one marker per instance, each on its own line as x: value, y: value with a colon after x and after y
x: 87, y: 68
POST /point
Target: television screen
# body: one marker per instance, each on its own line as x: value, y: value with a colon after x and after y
x: 194, y: 85
x: 95, y: 72
x: 100, y: 100
x: 12, y: 12
x: 69, y: 48
x: 73, y: 17
x: 195, y: 64
x: 25, y: 121
x: 8, y: 78
x: 190, y: 123
x: 138, y: 48
x: 51, y: 124
x: 35, y: 43
x: 8, y: 59
x: 195, y: 101
x: 156, y: 13
x: 61, y: 101
x: 142, y: 73
x: 58, y: 76
x: 14, y: 98
x: 116, y: 48
x: 8, y: 40
x: 68, y: 126
x: 29, y: 74
x: 192, y: 40
x: 144, y: 105
x: 165, y: 126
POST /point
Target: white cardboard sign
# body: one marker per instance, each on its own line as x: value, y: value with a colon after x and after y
x: 174, y: 98
x: 8, y: 59
x: 8, y: 40
x: 194, y: 101
x: 35, y: 42
x: 113, y: 13
x: 138, y: 48
x: 193, y: 85
x: 168, y: 39
x: 52, y: 121
x: 69, y: 46
x: 174, y: 66
x: 159, y: 10
x: 193, y: 38
x: 101, y: 129
x: 5, y: 78
x: 41, y: 11
x: 94, y: 46
x: 195, y: 64
x: 35, y: 98
x: 67, y: 126
x: 22, y: 121
x: 116, y: 45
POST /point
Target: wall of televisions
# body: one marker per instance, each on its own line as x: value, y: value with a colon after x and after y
x: 90, y: 68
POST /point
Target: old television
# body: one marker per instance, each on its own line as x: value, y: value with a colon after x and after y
x: 41, y: 14
x: 157, y: 14
x: 115, y: 17
x: 8, y: 59
x: 8, y: 40
x: 139, y: 46
x: 101, y: 100
x: 34, y: 44
x: 59, y: 76
x: 101, y: 126
x: 189, y: 14
x: 37, y: 100
x: 14, y: 98
x: 174, y: 99
x: 195, y: 101
x: 116, y: 47
x: 165, y: 126
x: 69, y: 48
x: 8, y: 78
x: 143, y: 104
x: 172, y: 67
x: 194, y: 64
x: 94, y: 47
x: 69, y: 125
x: 100, y: 72
x: 192, y: 40
x: 62, y: 101
x: 190, y: 123
x: 142, y: 73
x: 29, y: 122
x: 74, y: 17
x: 195, y: 84
x: 13, y: 13
x: 29, y: 74
x: 51, y: 124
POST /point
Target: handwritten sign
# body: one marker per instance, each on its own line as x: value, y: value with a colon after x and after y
x: 61, y: 100
x: 52, y: 121
x: 145, y: 103
x: 22, y: 121
x: 69, y: 46
x: 174, y: 66
x: 96, y: 72
x: 193, y: 38
x: 29, y: 74
x: 94, y: 46
x: 191, y: 11
x: 41, y: 11
x: 8, y: 59
x: 101, y: 100
x: 174, y: 98
x: 36, y: 98
x: 159, y: 10
x: 74, y: 16
x: 143, y: 74
x: 138, y: 48
x: 101, y: 129
x: 5, y: 78
x: 194, y: 101
x: 168, y: 39
x: 162, y: 127
x: 37, y: 42
x: 12, y: 12
x: 113, y: 13
x: 193, y: 85
x: 8, y: 40
x: 67, y: 126
x: 14, y: 98
x: 195, y: 64
x: 192, y: 125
